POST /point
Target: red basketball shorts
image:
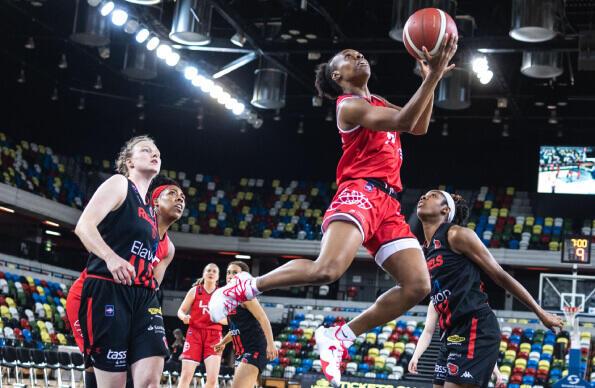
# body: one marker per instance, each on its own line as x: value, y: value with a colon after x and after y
x: 199, y: 344
x: 376, y: 214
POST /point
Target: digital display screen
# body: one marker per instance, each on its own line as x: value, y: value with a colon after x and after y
x: 566, y: 170
x: 576, y: 250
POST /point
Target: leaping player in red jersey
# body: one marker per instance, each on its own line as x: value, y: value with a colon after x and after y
x: 202, y: 334
x: 365, y: 209
x: 169, y: 202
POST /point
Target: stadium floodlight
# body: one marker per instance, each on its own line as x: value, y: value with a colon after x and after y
x: 216, y: 91
x: 172, y: 58
x: 480, y: 64
x: 231, y: 103
x: 107, y: 8
x: 486, y: 77
x: 207, y: 85
x: 190, y: 72
x: 163, y: 51
x: 142, y: 35
x: 238, y: 109
x: 152, y: 43
x: 224, y: 98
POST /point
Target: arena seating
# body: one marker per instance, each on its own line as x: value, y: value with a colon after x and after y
x: 382, y: 353
x: 502, y: 217
x: 36, y: 168
x: 538, y: 358
x: 33, y: 312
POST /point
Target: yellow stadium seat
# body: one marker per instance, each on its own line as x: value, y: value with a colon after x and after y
x: 227, y: 231
x: 487, y: 205
x: 529, y: 221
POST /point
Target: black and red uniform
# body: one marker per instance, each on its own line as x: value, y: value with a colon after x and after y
x: 249, y: 342
x: 470, y: 330
x: 202, y: 333
x: 122, y: 324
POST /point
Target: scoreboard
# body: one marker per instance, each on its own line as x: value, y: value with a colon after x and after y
x: 576, y: 250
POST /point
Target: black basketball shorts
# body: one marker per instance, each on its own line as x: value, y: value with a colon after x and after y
x: 256, y: 357
x: 121, y: 324
x: 469, y: 351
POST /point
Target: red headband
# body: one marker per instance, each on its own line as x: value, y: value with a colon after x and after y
x: 157, y: 192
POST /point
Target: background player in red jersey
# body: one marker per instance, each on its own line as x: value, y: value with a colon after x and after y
x: 252, y: 336
x: 118, y: 301
x: 202, y: 334
x: 456, y: 257
x: 365, y: 209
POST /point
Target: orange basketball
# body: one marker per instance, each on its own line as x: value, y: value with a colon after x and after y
x: 427, y: 27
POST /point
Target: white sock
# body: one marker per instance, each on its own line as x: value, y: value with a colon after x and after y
x: 344, y: 333
x: 255, y: 290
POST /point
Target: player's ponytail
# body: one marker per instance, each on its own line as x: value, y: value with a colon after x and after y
x: 201, y: 280
x: 462, y: 209
x: 325, y: 84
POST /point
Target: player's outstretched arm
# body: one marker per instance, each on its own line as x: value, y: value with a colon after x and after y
x: 465, y: 241
x: 256, y: 309
x: 186, y: 305
x: 425, y: 338
x: 356, y: 111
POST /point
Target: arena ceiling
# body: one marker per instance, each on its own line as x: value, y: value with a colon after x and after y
x: 184, y: 119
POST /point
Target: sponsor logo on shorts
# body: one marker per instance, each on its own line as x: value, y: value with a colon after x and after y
x: 118, y: 356
x: 157, y: 329
x: 440, y: 297
x: 186, y: 346
x: 467, y: 375
x: 154, y: 310
x: 110, y: 310
x: 440, y: 369
x: 455, y: 339
x: 453, y: 356
x: 369, y: 187
x: 453, y: 369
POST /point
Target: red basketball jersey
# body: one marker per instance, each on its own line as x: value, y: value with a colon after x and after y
x: 162, y: 250
x: 199, y: 312
x: 368, y: 153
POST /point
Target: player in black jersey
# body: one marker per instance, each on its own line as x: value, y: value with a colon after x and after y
x: 252, y: 336
x: 455, y: 257
x: 120, y: 315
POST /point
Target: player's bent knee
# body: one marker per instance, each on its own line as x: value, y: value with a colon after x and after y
x: 418, y: 290
x: 324, y: 275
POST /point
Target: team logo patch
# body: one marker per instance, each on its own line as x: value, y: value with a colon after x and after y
x: 110, y: 311
x: 453, y: 369
x: 456, y: 339
x: 437, y: 244
x: 351, y: 197
x: 369, y: 187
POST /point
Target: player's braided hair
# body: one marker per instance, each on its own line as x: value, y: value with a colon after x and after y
x: 201, y: 280
x: 325, y: 84
x: 462, y: 209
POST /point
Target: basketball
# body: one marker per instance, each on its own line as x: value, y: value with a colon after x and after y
x: 427, y: 27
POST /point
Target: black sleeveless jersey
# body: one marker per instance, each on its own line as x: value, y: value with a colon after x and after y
x: 247, y: 335
x: 131, y: 232
x: 457, y: 289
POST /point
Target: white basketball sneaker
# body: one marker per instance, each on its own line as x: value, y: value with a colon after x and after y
x: 226, y: 299
x: 331, y: 351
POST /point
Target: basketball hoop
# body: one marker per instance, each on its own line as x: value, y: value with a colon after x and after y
x: 570, y: 313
